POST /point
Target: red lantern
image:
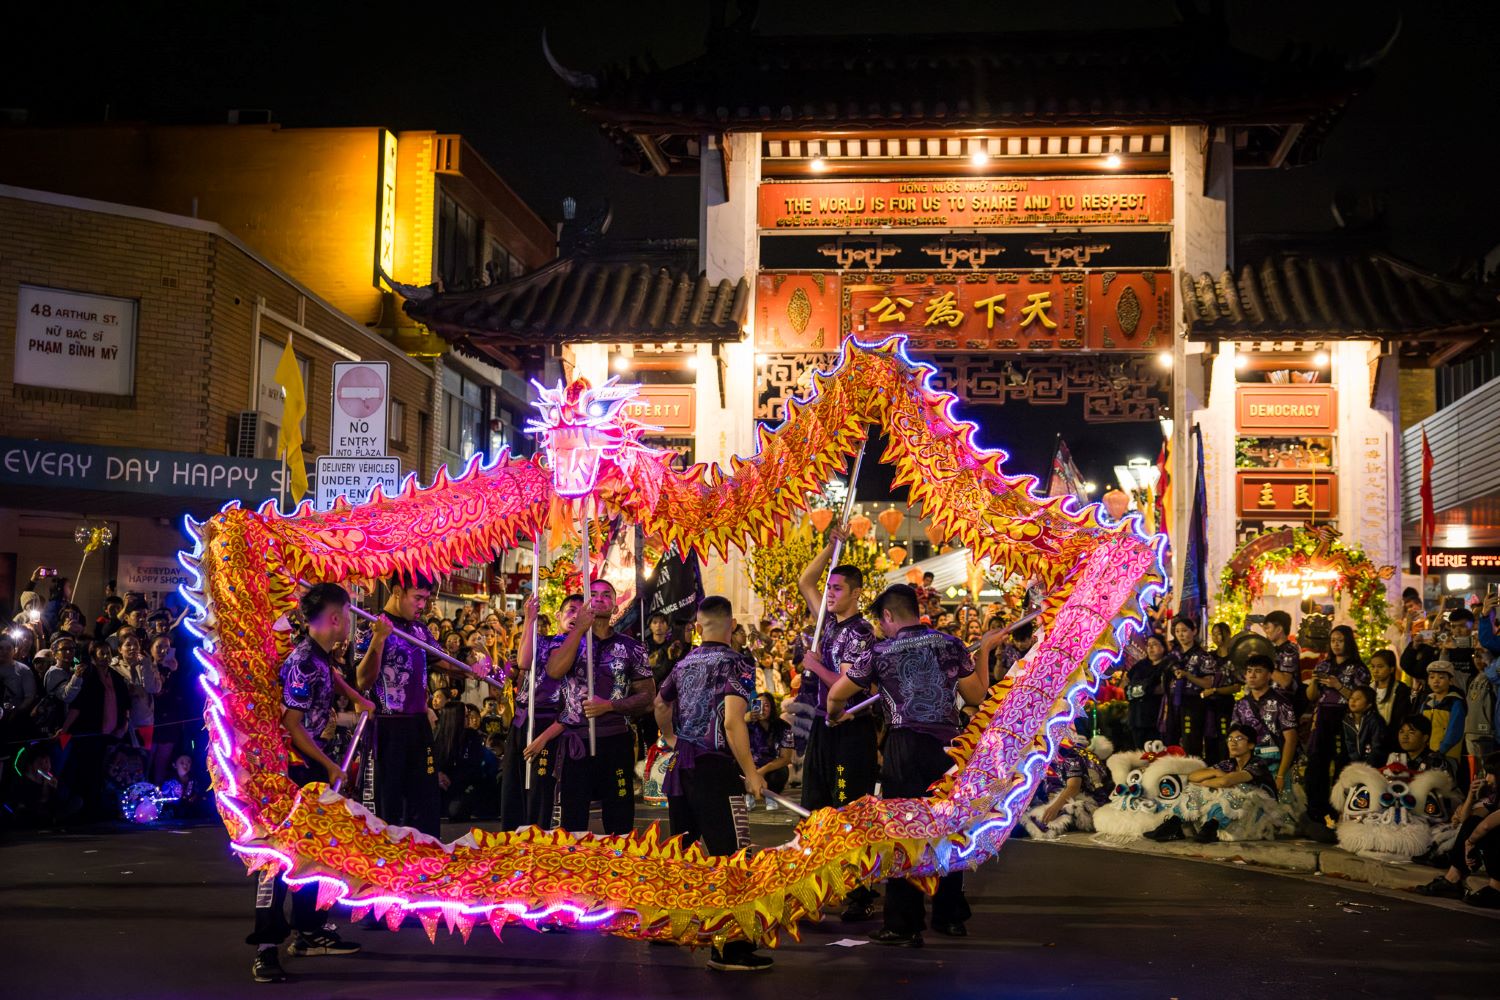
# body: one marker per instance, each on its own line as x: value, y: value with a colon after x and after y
x: 859, y: 526
x: 890, y: 520
x: 914, y: 577
x: 897, y: 555
x: 821, y: 519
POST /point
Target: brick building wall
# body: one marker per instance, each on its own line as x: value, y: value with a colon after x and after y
x: 196, y: 288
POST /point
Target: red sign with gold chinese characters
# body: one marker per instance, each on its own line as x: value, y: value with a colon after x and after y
x: 965, y: 203
x: 1286, y: 496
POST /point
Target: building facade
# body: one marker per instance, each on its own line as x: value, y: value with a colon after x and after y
x: 138, y: 353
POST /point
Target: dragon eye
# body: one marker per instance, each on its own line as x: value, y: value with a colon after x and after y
x: 1433, y: 806
x: 1169, y: 788
x: 597, y: 409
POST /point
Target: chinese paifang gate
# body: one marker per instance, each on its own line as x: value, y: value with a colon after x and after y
x: 247, y: 565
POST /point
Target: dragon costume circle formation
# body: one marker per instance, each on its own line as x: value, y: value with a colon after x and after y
x: 246, y: 566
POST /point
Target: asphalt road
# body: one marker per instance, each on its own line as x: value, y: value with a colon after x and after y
x: 163, y: 913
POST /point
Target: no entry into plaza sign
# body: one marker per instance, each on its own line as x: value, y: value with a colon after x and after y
x: 356, y: 478
x: 361, y: 399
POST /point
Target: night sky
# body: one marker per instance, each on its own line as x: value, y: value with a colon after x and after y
x: 1412, y: 160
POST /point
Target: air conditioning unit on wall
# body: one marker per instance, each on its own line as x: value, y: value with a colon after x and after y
x: 255, y: 436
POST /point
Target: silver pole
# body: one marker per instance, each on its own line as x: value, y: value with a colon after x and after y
x: 359, y: 729
x: 536, y: 577
x: 588, y: 595
x: 838, y: 545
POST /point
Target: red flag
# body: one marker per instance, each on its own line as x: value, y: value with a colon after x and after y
x: 1429, y: 516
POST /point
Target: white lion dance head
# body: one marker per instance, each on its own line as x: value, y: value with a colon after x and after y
x: 1394, y: 814
x: 1150, y: 788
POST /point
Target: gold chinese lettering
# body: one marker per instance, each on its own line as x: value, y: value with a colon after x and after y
x: 993, y: 306
x: 943, y: 310
x: 1267, y: 496
x: 1036, y: 308
x: 1303, y: 496
x: 889, y: 310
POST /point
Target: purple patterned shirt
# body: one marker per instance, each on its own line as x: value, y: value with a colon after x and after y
x: 619, y: 661
x: 696, y: 689
x: 767, y: 741
x: 848, y: 641
x: 401, y: 681
x: 1352, y: 674
x: 1260, y: 775
x: 918, y: 672
x: 548, y: 689
x: 307, y: 685
x: 1270, y: 716
x: 1197, y: 662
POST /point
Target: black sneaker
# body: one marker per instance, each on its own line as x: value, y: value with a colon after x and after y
x: 267, y: 967
x: 320, y: 943
x: 895, y: 939
x: 1441, y: 887
x: 1486, y: 898
x: 955, y: 929
x: 738, y: 960
x: 1170, y: 830
x: 1208, y: 833
x: 858, y: 911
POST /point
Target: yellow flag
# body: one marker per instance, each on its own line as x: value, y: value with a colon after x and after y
x: 293, y: 409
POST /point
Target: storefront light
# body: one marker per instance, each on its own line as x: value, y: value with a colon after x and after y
x: 979, y: 157
x: 1113, y: 161
x: 621, y: 363
x: 691, y: 363
x: 1164, y: 359
x: 1321, y: 359
x: 818, y: 165
x: 1457, y: 581
x: 1241, y: 360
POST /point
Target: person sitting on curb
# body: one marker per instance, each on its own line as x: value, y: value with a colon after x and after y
x: 1242, y: 767
x: 1478, y: 839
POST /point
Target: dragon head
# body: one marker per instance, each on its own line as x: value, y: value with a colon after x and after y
x: 580, y: 427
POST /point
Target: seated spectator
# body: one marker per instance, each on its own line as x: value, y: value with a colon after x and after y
x: 1478, y: 840
x: 1393, y: 697
x: 34, y: 795
x: 1269, y: 714
x: 1444, y: 708
x: 1241, y: 768
x: 771, y: 743
x: 1075, y: 785
x: 1414, y: 750
x: 1365, y: 739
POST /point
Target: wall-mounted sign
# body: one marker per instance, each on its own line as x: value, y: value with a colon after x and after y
x: 965, y: 203
x: 71, y: 340
x: 63, y: 465
x: 1456, y: 561
x: 987, y: 311
x: 1098, y: 248
x: 669, y: 407
x: 1286, y: 495
x: 361, y: 397
x: 385, y: 209
x: 1282, y: 408
x: 150, y: 574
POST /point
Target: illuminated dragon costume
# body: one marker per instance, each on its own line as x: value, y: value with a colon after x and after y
x: 246, y: 563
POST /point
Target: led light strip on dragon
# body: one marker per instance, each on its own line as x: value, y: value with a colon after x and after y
x: 645, y: 885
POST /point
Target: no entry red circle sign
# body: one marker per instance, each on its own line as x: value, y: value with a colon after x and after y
x: 360, y: 391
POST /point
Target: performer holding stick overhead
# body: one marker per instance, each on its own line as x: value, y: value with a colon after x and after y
x: 528, y: 746
x: 622, y: 686
x: 840, y: 764
x: 311, y: 679
x: 392, y: 662
x: 701, y: 709
x: 918, y: 671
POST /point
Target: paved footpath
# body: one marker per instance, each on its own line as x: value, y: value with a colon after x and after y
x: 163, y: 913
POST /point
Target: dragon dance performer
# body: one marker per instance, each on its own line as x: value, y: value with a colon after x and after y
x: 310, y: 680
x: 521, y: 806
x: 701, y: 709
x: 918, y: 670
x: 395, y: 667
x: 840, y: 763
x: 623, y: 676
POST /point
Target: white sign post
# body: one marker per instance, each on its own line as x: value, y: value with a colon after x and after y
x: 356, y: 478
x: 361, y: 400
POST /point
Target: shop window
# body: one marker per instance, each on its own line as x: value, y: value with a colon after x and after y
x: 457, y: 244
x: 271, y: 398
x: 463, y: 418
x: 398, y: 424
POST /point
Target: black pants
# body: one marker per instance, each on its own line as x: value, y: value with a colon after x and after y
x: 776, y: 780
x: 608, y: 778
x: 646, y: 734
x: 1322, y: 753
x: 406, y: 785
x: 712, y: 808
x: 913, y: 761
x: 271, y: 925
x: 1489, y: 849
x: 521, y: 806
x: 840, y: 766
